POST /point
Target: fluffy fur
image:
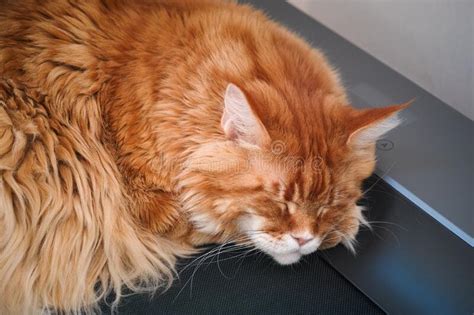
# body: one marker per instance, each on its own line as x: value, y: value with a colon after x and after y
x: 132, y: 131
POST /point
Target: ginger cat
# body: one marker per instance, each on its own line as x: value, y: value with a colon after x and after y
x: 132, y: 131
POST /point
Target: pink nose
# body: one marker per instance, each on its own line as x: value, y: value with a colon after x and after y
x: 302, y: 240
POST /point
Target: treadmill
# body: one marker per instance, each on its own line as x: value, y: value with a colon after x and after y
x: 418, y: 258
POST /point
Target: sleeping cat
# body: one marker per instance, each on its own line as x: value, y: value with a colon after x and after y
x: 133, y: 131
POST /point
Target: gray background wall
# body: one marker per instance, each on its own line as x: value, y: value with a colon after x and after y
x: 430, y: 42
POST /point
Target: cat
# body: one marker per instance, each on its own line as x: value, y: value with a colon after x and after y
x: 132, y: 132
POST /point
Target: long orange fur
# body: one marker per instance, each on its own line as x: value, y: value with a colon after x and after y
x: 113, y: 161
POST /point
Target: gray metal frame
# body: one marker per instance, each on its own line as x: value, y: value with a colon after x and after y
x: 408, y: 263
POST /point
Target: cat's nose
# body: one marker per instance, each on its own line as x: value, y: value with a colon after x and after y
x: 302, y: 240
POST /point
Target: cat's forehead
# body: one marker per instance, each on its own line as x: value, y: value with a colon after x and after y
x: 302, y: 186
x: 313, y: 180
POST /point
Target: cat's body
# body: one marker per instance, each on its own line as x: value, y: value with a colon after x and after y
x: 136, y: 130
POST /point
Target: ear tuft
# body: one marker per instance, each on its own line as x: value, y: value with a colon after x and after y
x: 368, y: 125
x: 239, y: 121
x: 369, y: 134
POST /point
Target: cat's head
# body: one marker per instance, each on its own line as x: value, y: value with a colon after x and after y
x: 286, y: 182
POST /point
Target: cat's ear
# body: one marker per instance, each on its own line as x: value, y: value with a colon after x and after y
x: 239, y: 120
x: 368, y: 125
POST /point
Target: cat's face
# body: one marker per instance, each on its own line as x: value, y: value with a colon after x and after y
x: 287, y: 207
x: 300, y: 208
x: 286, y: 196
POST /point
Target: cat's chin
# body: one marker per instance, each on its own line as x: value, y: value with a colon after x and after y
x: 287, y: 259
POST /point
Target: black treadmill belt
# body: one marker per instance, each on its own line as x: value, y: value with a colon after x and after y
x: 254, y: 284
